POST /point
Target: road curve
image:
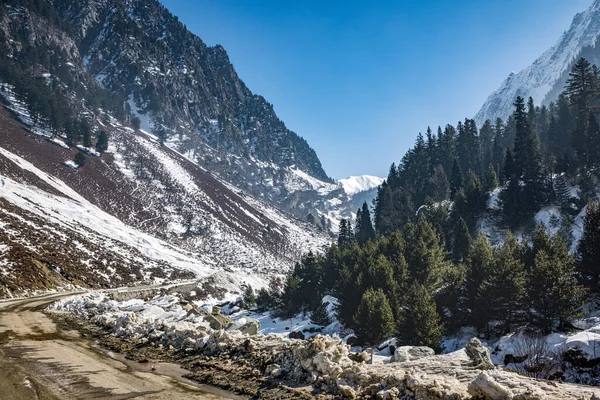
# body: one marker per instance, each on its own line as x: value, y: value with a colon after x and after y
x: 40, y: 361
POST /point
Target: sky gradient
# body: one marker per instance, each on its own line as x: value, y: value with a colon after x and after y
x: 360, y: 79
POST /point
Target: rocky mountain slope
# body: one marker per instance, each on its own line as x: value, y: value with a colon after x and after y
x: 189, y: 95
x: 140, y: 211
x: 544, y: 79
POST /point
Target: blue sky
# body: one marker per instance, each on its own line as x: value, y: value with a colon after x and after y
x: 360, y: 79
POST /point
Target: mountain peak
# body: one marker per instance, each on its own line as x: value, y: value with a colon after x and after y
x: 544, y: 79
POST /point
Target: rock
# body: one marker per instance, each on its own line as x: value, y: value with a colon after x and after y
x: 296, y: 335
x: 273, y: 370
x: 485, y: 387
x: 410, y: 353
x: 479, y: 354
x: 346, y: 391
x: 251, y: 327
x: 217, y: 321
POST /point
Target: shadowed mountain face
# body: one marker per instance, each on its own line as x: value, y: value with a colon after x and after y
x: 189, y: 95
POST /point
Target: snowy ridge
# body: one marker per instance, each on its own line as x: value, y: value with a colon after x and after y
x: 539, y: 78
x: 356, y: 184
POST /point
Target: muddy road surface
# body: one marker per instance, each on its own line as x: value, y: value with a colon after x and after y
x: 38, y: 360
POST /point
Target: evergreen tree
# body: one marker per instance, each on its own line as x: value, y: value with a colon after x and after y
x: 552, y: 290
x: 504, y: 287
x: 588, y: 250
x: 456, y: 179
x: 249, y: 298
x: 345, y: 236
x: 480, y: 262
x: 374, y: 320
x: 563, y: 194
x: 420, y: 325
x: 79, y: 159
x: 424, y: 254
x: 593, y: 142
x: 364, y: 226
x: 320, y: 316
x: 491, y: 179
x: 102, y: 142
x: 462, y: 241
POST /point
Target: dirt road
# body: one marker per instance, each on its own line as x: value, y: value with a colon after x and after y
x: 40, y: 361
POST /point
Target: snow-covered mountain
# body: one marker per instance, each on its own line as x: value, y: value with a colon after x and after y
x: 356, y: 184
x: 138, y: 212
x: 544, y: 79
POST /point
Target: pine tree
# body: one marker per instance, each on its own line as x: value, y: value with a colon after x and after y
x: 420, y: 324
x: 320, y: 316
x: 593, y: 142
x: 374, y: 320
x: 102, y: 142
x: 563, y: 194
x: 491, y: 179
x: 504, y: 287
x: 480, y: 262
x: 456, y: 179
x: 425, y: 256
x: 552, y: 291
x: 581, y: 86
x: 79, y: 159
x: 249, y: 298
x: 588, y: 250
x: 364, y: 226
x: 461, y: 242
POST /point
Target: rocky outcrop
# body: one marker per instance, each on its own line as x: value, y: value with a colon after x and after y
x: 410, y: 353
x: 479, y: 354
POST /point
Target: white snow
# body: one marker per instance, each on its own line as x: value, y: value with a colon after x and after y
x: 357, y: 184
x: 74, y: 211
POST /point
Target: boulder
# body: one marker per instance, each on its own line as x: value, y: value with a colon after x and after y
x: 251, y: 327
x: 296, y: 335
x: 217, y: 321
x: 479, y: 354
x: 410, y: 353
x: 485, y: 387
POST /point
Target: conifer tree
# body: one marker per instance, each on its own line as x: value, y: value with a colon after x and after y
x: 480, y: 262
x: 249, y: 298
x: 320, y: 316
x: 588, y: 250
x: 364, y: 226
x: 374, y: 320
x: 456, y: 179
x: 425, y: 256
x: 461, y: 242
x: 503, y: 289
x: 420, y: 324
x: 563, y: 194
x: 552, y: 291
x: 491, y: 178
x: 102, y: 142
x: 79, y: 159
x: 593, y: 142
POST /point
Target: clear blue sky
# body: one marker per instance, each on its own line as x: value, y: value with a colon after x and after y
x: 360, y: 79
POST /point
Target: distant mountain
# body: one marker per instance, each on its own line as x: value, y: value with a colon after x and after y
x: 545, y: 78
x: 356, y: 184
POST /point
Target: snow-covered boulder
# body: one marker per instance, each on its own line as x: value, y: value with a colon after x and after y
x: 479, y: 354
x: 410, y: 353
